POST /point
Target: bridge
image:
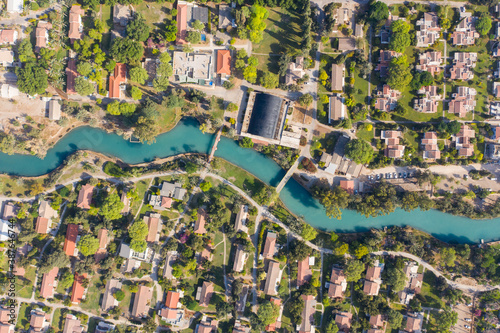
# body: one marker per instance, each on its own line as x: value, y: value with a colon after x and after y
x: 214, y: 147
x: 288, y: 175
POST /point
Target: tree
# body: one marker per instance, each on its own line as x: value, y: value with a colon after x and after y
x: 255, y: 24
x: 198, y: 25
x: 333, y: 201
x: 298, y: 250
x: 396, y: 278
x: 150, y: 325
x: 353, y: 270
x: 446, y: 319
x: 55, y: 259
x: 135, y: 93
x: 193, y: 37
x: 231, y: 107
x: 399, y: 75
x: 138, y: 245
x: 138, y: 230
x: 378, y: 12
x: 305, y: 99
x: 119, y: 295
x: 88, y: 245
x: 359, y: 151
x: 111, y: 207
x: 25, y: 51
x: 206, y: 186
x: 361, y: 251
x: 171, y: 32
x: 268, y: 313
x: 400, y: 38
x: 32, y: 79
x: 331, y: 326
x: 395, y: 318
x: 110, y: 65
x: 250, y: 74
x: 448, y: 256
x: 138, y: 29
x: 483, y: 24
x: 163, y: 72
x: 126, y: 50
x: 83, y: 86
x: 246, y: 142
x: 138, y: 75
x: 223, y: 309
x: 269, y: 80
x: 453, y: 127
x: 308, y: 232
x: 84, y: 68
x: 66, y: 279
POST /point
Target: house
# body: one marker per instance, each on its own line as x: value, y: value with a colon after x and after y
x: 172, y: 190
x: 102, y: 237
x: 240, y: 258
x: 207, y: 325
x: 8, y: 36
x: 199, y: 225
x: 194, y: 67
x: 4, y: 230
x: 117, y: 81
x: 8, y: 91
x: 172, y: 312
x: 54, y: 109
x: 273, y: 278
x: 238, y: 328
x: 121, y: 15
x: 413, y: 282
x: 414, y: 323
x: 428, y: 101
x: 338, y: 283
x: 153, y: 221
x: 49, y: 283
x: 75, y: 23
x: 45, y: 215
x: 337, y: 77
x: 226, y: 19
x: 462, y: 141
x: 9, y: 211
x: 463, y: 63
x: 384, y: 60
x: 377, y: 321
x: 128, y: 253
x: 224, y: 62
x: 6, y: 58
x: 73, y: 325
x: 430, y: 146
x: 42, y: 225
x: 430, y: 61
x: 71, y: 240
x: 495, y: 109
x: 358, y: 31
x: 140, y: 308
x: 347, y: 185
x: 304, y: 273
x: 393, y: 148
x: 463, y: 101
x: 241, y: 220
x: 428, y: 31
x: 343, y: 321
x: 336, y: 108
x: 15, y: 6
x: 39, y: 321
x: 182, y: 14
x: 465, y: 33
x: 307, y: 325
x: 204, y: 293
x: 5, y: 317
x: 71, y: 75
x: 277, y: 324
x: 129, y: 266
x: 108, y: 300
x: 496, y: 89
x: 126, y: 203
x: 78, y: 290
x: 295, y: 71
x: 347, y: 44
x: 85, y: 197
x: 169, y: 262
x: 242, y: 299
x: 269, y: 246
x: 387, y: 99
x: 42, y: 35
x: 372, y: 280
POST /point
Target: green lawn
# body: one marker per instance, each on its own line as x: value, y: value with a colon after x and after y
x: 57, y: 320
x: 412, y: 138
x: 362, y: 133
x: 238, y: 176
x: 428, y: 293
x: 154, y: 12
x: 93, y: 295
x: 360, y: 89
x: 283, y: 30
x: 107, y: 17
x: 24, y: 285
x: 22, y: 316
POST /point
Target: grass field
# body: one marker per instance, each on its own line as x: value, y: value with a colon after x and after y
x: 362, y: 133
x: 431, y: 299
x: 93, y: 295
x: 22, y: 316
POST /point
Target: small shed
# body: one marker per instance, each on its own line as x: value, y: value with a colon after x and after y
x: 54, y: 109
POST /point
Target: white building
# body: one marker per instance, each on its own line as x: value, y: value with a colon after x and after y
x: 15, y: 6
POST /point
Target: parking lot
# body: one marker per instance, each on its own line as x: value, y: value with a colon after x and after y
x: 464, y: 312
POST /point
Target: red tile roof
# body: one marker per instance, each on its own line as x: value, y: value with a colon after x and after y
x: 207, y: 290
x: 103, y: 238
x: 116, y: 79
x: 141, y: 300
x: 7, y: 36
x: 270, y: 245
x: 172, y: 299
x: 181, y: 23
x: 78, y: 288
x: 70, y: 241
x: 277, y: 324
x: 42, y: 224
x: 199, y: 225
x: 304, y: 273
x: 75, y: 22
x: 85, y: 197
x: 152, y: 221
x: 347, y: 185
x: 48, y: 283
x: 224, y: 62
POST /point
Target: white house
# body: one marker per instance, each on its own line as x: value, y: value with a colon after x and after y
x: 4, y: 230
x: 15, y: 6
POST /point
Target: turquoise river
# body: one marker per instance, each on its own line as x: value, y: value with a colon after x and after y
x: 186, y: 137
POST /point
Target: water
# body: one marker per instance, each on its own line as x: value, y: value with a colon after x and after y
x: 186, y: 137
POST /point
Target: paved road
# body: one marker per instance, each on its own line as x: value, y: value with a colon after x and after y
x: 323, y: 3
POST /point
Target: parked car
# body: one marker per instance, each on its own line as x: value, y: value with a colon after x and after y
x: 405, y: 175
x: 467, y: 326
x: 468, y: 319
x: 394, y: 175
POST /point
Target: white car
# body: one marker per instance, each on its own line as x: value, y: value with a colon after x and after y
x: 467, y: 319
x: 467, y: 326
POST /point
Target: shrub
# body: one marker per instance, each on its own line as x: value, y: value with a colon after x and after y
x: 114, y: 170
